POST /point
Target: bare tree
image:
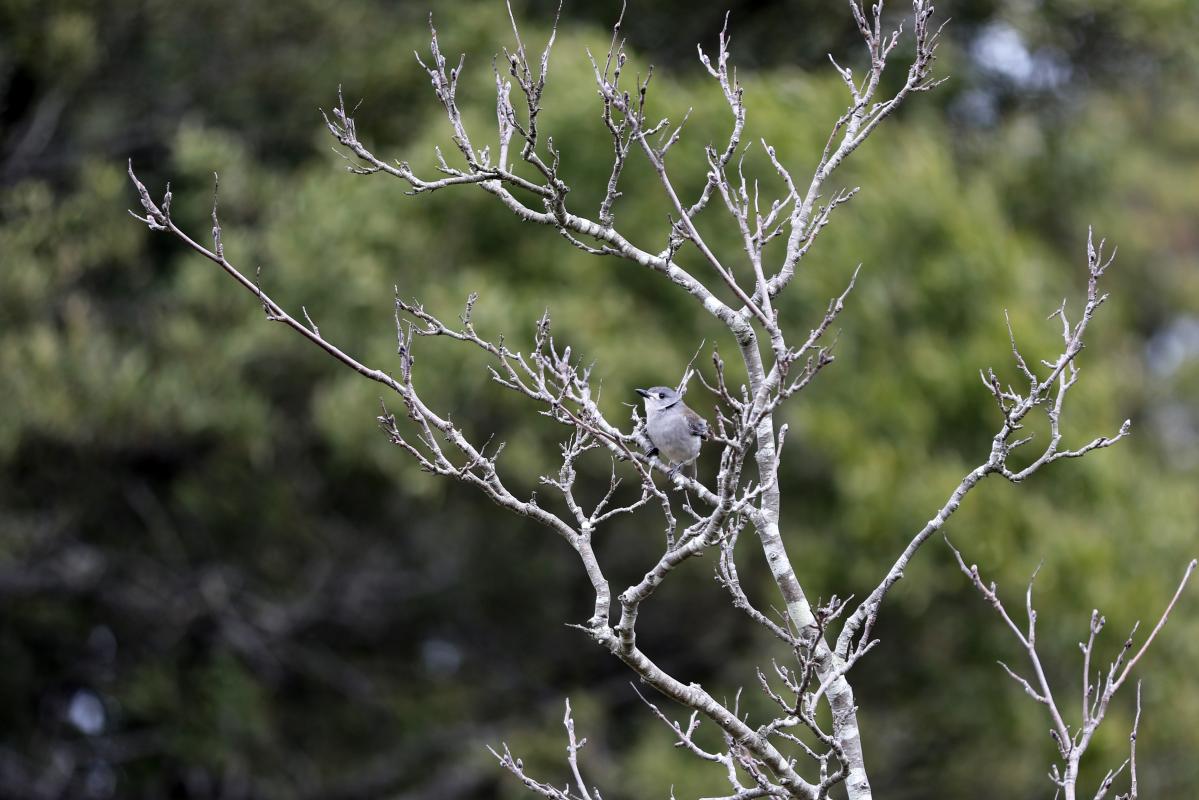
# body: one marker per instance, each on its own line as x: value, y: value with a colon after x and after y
x: 794, y: 753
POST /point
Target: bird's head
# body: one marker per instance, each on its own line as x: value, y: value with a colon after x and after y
x: 659, y: 398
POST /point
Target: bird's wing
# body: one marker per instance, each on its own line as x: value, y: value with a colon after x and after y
x: 696, y: 424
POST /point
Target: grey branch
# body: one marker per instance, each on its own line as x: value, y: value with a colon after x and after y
x: 1072, y: 742
x: 573, y: 746
x: 1047, y: 393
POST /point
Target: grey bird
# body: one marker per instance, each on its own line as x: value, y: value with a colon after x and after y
x: 675, y: 431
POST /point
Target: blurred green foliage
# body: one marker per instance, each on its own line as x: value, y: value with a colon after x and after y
x: 202, y: 529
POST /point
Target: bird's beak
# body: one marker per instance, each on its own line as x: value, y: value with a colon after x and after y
x: 642, y: 392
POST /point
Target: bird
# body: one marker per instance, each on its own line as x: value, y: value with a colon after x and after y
x: 675, y: 431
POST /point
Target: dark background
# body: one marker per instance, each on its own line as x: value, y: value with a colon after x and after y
x: 217, y: 579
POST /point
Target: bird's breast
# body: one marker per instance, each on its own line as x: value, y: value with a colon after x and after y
x: 672, y: 435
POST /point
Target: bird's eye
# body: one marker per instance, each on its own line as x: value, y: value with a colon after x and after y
x: 661, y: 395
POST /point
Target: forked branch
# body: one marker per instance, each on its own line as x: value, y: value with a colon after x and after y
x: 1072, y: 741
